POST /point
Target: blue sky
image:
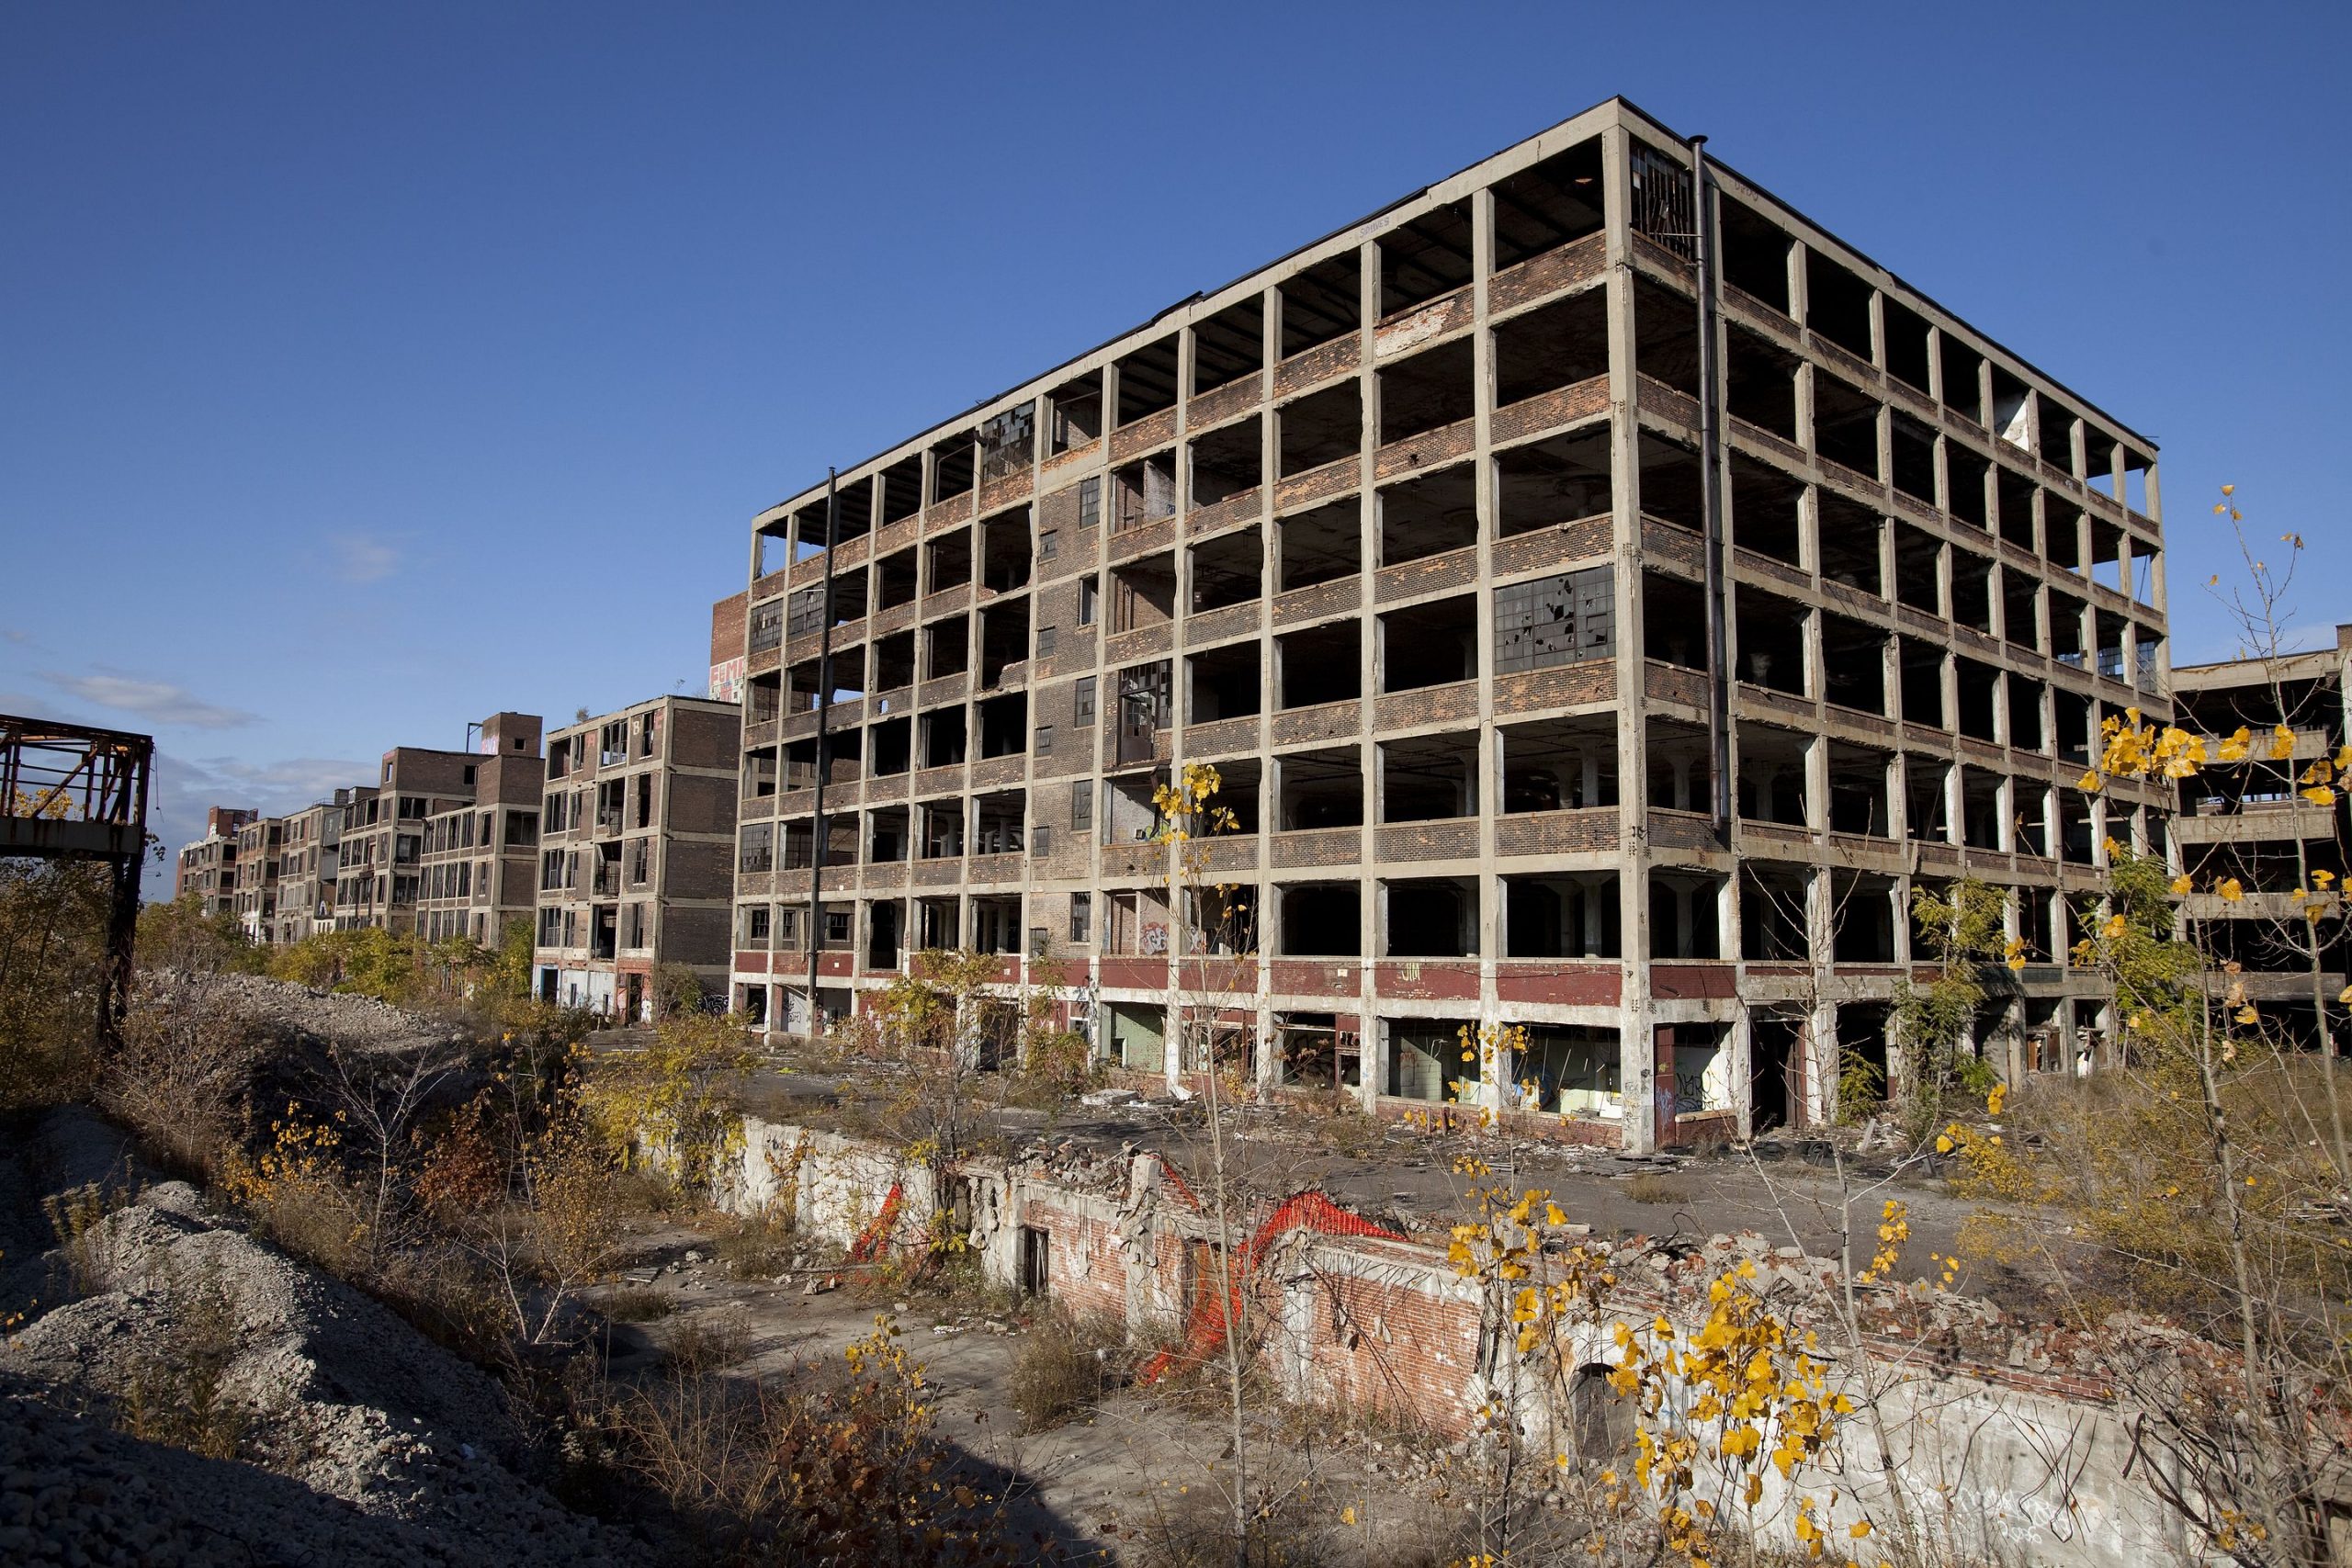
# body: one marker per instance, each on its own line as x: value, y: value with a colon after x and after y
x: 365, y: 370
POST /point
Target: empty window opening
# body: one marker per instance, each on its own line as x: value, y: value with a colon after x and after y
x: 891, y: 743
x: 1972, y: 591
x: 1967, y: 476
x: 1144, y: 492
x: 2020, y: 596
x: 1964, y: 370
x: 1837, y: 304
x: 1670, y: 478
x: 2017, y: 494
x: 1772, y: 639
x: 1322, y: 920
x: 1004, y: 725
x: 1853, y: 664
x: 1571, y: 916
x: 1225, y: 684
x: 760, y: 773
x: 1982, y: 819
x: 998, y: 823
x: 1143, y: 593
x: 2076, y: 842
x: 1005, y: 550
x: 1314, y: 1054
x: 2056, y: 442
x: 1076, y: 412
x: 953, y: 465
x: 1551, y: 346
x: 1004, y: 639
x: 1321, y: 789
x: 947, y: 647
x: 1322, y: 427
x: 1666, y: 336
x: 885, y: 835
x: 1321, y: 545
x: 1674, y: 621
x: 943, y: 738
x: 1977, y: 684
x: 1912, y: 447
x: 2012, y: 410
x: 942, y: 922
x: 1431, y: 644
x: 1861, y: 801
x: 1862, y: 919
x: 2029, y: 820
x: 1906, y: 344
x: 1147, y: 381
x: 774, y: 542
x: 2071, y: 719
x: 1767, y: 511
x: 1676, y: 755
x: 1427, y: 391
x: 948, y: 560
x: 2062, y: 527
x: 1425, y: 1058
x: 1771, y: 785
x: 1850, y: 542
x: 1433, y: 918
x: 1430, y: 778
x: 1226, y: 462
x: 1774, y: 922
x: 1229, y: 568
x: 1559, y: 764
x: 1548, y: 205
x: 1319, y: 665
x: 1760, y: 383
x: 1229, y: 344
x: 896, y: 579
x: 941, y: 822
x: 1321, y: 303
x: 1926, y: 806
x: 1918, y: 570
x: 1920, y: 666
x: 1239, y: 789
x: 1547, y: 484
x: 1425, y: 258
x: 855, y: 514
x: 1755, y: 255
x: 894, y: 661
x: 901, y: 485
x: 1845, y: 424
x: 1685, y: 914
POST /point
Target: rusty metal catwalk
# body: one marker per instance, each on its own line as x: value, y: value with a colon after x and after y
x: 69, y: 792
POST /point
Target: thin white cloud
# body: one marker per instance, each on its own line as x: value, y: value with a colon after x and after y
x: 361, y: 559
x: 158, y: 702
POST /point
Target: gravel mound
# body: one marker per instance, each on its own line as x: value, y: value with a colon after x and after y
x: 301, y: 1012
x: 352, y: 1419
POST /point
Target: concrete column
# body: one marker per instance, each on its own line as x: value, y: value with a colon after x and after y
x: 1637, y: 1054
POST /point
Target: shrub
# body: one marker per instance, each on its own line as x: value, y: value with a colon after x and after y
x: 758, y: 1246
x: 74, y: 1215
x: 183, y: 1076
x: 635, y: 1307
x: 1065, y: 1364
x: 174, y: 1388
x: 1650, y: 1188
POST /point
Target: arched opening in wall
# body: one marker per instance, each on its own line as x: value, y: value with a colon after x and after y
x: 1601, y: 1421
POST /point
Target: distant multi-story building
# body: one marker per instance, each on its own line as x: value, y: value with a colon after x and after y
x: 2250, y: 821
x: 1588, y: 639
x: 380, y: 875
x: 306, y: 871
x: 207, y: 868
x: 258, y: 842
x: 478, y: 860
x: 635, y: 853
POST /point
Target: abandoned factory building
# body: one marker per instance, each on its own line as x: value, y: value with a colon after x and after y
x: 1525, y: 716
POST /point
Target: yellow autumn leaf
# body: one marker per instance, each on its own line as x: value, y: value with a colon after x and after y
x: 2283, y: 742
x: 2089, y: 783
x: 2247, y: 1015
x: 2320, y: 795
x: 1859, y: 1528
x: 1348, y: 1514
x: 2230, y: 890
x: 2181, y: 883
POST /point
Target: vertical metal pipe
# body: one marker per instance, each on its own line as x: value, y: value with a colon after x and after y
x: 1702, y: 230
x: 824, y: 716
